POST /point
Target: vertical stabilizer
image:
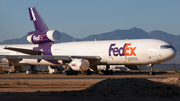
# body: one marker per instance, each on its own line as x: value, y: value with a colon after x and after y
x: 41, y: 35
x: 39, y: 24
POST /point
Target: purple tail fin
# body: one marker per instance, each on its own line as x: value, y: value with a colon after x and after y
x: 41, y: 35
x: 39, y: 24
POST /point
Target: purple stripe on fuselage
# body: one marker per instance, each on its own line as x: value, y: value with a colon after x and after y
x: 46, y: 48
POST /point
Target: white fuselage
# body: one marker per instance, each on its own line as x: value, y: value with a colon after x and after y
x: 125, y: 52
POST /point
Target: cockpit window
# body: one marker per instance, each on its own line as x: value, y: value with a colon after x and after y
x: 166, y: 46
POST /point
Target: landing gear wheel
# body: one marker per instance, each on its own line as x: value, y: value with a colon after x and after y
x: 71, y: 72
x: 107, y: 72
x: 88, y: 72
x: 151, y: 73
x: 111, y: 72
x: 75, y: 72
x: 67, y: 72
x: 103, y: 72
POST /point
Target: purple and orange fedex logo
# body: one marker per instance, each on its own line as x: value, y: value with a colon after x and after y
x: 126, y: 50
x: 37, y: 38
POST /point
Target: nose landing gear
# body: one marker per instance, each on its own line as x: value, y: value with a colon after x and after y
x: 152, y: 70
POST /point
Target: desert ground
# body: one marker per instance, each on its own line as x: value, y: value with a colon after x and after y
x: 118, y: 87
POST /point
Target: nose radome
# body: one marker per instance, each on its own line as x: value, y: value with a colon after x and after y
x: 174, y: 53
x: 168, y: 54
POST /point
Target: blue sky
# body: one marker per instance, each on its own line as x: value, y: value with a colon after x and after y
x: 80, y: 18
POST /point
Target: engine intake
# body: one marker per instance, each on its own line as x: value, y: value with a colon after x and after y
x: 39, y: 38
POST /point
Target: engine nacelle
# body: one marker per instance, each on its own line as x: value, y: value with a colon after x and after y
x: 79, y: 65
x: 135, y: 67
x: 44, y: 37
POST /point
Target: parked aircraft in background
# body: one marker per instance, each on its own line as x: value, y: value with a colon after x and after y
x: 84, y: 56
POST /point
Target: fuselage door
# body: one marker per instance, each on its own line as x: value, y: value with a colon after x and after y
x: 152, y: 54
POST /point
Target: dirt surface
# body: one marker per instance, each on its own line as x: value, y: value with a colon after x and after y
x: 133, y: 87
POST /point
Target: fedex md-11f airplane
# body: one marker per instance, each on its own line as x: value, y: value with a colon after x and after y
x: 84, y: 56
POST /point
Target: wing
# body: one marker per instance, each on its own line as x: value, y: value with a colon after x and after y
x: 47, y: 57
x: 34, y: 54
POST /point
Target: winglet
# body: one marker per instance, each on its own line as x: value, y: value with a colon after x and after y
x: 39, y: 24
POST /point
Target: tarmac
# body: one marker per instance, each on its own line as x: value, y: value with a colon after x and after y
x: 21, y: 86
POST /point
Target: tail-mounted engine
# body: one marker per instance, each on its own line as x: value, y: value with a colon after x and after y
x: 39, y: 38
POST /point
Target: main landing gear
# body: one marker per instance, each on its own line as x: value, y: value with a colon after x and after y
x: 107, y: 71
x: 69, y: 71
x: 88, y: 72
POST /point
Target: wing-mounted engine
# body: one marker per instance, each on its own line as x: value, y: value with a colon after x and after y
x: 39, y: 38
x: 79, y: 65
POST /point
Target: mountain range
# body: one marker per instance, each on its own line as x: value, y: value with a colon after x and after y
x: 133, y: 33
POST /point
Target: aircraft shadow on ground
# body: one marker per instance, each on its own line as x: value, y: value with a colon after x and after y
x: 138, y: 73
x: 108, y: 89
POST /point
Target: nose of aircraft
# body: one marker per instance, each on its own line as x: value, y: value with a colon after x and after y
x: 171, y: 53
x: 174, y: 53
x: 168, y: 52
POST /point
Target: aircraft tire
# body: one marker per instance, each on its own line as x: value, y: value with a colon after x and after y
x: 111, y: 72
x: 103, y: 72
x: 71, y: 72
x: 151, y: 73
x: 75, y: 72
x: 106, y: 72
x: 88, y: 72
x: 67, y: 72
